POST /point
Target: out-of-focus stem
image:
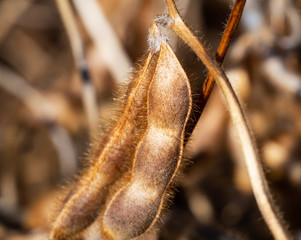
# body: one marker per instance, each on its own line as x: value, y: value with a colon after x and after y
x: 104, y: 38
x: 256, y: 174
x: 77, y: 47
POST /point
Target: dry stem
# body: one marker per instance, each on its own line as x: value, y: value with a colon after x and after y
x: 232, y: 24
x: 208, y: 85
x: 256, y: 174
x: 77, y: 46
x: 104, y: 38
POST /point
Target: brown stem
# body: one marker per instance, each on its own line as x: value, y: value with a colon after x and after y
x: 104, y: 37
x: 208, y: 85
x: 257, y: 178
x: 78, y: 51
x: 223, y: 47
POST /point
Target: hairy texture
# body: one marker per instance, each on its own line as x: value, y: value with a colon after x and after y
x: 136, y: 206
x: 84, y: 200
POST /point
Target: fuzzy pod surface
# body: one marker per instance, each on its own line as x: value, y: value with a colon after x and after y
x: 86, y: 198
x: 135, y: 207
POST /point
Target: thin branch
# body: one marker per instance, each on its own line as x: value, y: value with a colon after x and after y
x: 77, y: 46
x: 45, y: 112
x: 104, y: 38
x: 230, y: 29
x: 208, y: 85
x: 256, y: 174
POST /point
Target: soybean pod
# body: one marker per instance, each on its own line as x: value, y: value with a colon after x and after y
x: 134, y: 208
x: 85, y: 199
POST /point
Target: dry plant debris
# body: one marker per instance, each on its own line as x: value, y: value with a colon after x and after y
x: 155, y: 121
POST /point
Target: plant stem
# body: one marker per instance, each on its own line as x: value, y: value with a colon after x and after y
x: 105, y: 39
x: 78, y: 51
x: 208, y: 85
x: 256, y: 174
x: 232, y: 23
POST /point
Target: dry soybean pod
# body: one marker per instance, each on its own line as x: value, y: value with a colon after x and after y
x: 88, y: 194
x: 135, y: 207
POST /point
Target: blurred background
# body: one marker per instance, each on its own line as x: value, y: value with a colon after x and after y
x: 60, y: 64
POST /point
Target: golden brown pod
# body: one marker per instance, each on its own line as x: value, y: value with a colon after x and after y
x: 135, y: 207
x: 85, y: 199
